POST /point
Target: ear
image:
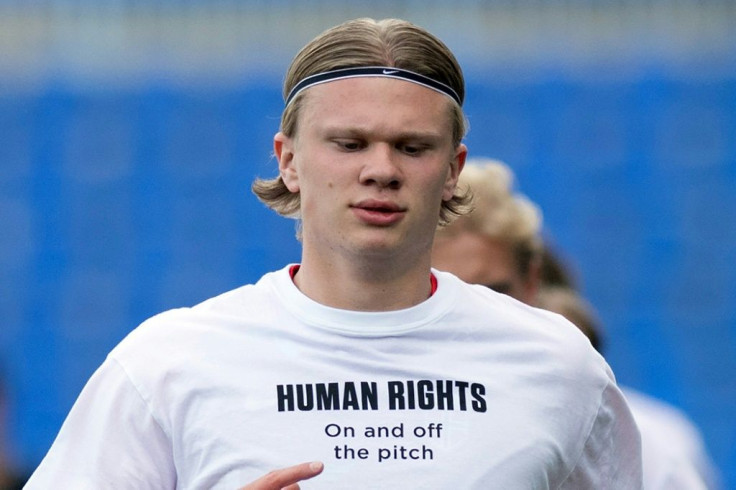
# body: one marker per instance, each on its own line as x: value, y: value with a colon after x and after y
x: 456, y: 166
x: 283, y: 148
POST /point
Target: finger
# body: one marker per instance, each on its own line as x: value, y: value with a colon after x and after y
x: 300, y: 472
x: 284, y: 477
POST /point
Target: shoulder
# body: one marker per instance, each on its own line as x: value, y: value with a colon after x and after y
x: 243, y: 303
x: 534, y: 346
x: 172, y: 336
x: 538, y: 332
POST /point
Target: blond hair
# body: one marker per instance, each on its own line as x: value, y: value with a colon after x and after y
x: 498, y: 212
x: 367, y: 42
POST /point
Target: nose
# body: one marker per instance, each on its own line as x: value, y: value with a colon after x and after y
x: 381, y: 168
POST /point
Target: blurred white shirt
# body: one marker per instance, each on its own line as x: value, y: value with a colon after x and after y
x: 673, y: 451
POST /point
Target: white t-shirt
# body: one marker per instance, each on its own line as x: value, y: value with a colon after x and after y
x: 468, y: 390
x: 673, y: 452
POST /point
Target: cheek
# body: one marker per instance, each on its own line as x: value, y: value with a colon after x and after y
x: 317, y: 195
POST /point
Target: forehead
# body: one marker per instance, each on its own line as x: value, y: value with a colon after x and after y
x: 370, y: 101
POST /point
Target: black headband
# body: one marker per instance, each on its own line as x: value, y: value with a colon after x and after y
x: 373, y: 71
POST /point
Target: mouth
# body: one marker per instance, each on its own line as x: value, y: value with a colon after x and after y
x: 378, y: 213
x: 378, y: 206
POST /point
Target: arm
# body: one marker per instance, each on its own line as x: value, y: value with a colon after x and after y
x: 109, y: 440
x: 611, y: 456
x: 286, y: 478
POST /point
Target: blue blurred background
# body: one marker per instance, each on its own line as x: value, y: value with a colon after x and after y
x: 130, y: 131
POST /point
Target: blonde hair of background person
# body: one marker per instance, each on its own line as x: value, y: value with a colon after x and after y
x: 499, y: 243
x: 361, y: 358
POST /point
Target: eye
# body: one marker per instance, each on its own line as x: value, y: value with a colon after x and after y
x: 411, y: 148
x: 349, y: 145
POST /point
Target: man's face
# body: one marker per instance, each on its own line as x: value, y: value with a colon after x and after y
x: 373, y: 159
x: 478, y: 259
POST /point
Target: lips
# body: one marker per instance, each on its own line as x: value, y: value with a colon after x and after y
x: 377, y: 212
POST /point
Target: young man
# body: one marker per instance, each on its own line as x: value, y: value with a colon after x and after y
x: 361, y: 356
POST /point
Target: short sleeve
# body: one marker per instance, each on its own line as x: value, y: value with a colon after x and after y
x: 611, y: 456
x: 109, y: 440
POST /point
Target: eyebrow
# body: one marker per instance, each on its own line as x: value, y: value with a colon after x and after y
x: 356, y: 131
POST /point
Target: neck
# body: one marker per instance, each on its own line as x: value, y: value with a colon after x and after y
x: 362, y: 285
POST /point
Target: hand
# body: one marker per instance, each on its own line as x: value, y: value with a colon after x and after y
x: 286, y: 478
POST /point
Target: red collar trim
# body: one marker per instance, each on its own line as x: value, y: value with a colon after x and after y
x: 293, y: 270
x: 433, y: 284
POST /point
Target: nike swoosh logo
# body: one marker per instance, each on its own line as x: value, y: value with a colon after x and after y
x: 390, y: 72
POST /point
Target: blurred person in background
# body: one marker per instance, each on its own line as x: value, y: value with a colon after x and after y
x: 500, y: 245
x: 361, y: 354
